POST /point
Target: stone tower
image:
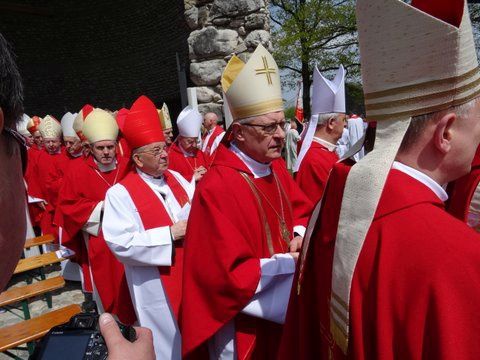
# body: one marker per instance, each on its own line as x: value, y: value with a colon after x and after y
x: 221, y: 28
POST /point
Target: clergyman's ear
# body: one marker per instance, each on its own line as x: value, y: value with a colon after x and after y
x: 443, y: 132
x: 331, y: 123
x: 237, y: 131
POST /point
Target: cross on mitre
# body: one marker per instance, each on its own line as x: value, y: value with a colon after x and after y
x: 266, y: 70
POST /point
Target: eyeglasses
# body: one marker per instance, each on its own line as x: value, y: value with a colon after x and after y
x: 156, y: 152
x: 270, y: 129
x: 22, y: 144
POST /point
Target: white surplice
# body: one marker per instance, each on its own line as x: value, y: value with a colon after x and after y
x: 142, y: 251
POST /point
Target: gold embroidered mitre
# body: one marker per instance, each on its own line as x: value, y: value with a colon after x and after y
x: 165, y: 119
x: 252, y: 88
x: 50, y: 128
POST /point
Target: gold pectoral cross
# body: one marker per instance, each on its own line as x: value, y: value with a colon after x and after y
x: 266, y: 70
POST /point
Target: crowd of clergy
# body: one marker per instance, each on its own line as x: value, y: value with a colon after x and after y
x: 227, y: 250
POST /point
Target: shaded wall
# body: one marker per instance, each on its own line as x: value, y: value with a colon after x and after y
x: 106, y: 52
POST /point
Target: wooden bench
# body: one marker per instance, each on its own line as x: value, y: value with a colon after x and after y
x: 30, y: 330
x: 36, y: 262
x: 39, y: 240
x: 23, y: 293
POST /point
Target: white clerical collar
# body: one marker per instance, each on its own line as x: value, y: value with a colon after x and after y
x: 187, y: 154
x: 258, y: 169
x: 151, y: 179
x: 423, y: 178
x: 331, y: 147
x: 106, y: 168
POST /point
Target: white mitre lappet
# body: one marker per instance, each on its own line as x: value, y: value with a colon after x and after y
x: 252, y: 88
x: 100, y: 125
x: 50, y: 128
x: 189, y: 122
x: 428, y: 65
x: 327, y: 97
x: 67, y: 125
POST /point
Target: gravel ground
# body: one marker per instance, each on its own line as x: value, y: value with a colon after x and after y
x: 70, y: 294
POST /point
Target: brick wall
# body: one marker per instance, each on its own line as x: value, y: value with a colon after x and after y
x: 104, y: 52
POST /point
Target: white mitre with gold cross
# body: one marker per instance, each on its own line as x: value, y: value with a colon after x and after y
x: 252, y: 88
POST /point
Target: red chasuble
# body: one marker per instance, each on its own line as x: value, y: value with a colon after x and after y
x: 313, y: 173
x: 177, y: 161
x: 230, y: 229
x: 33, y: 185
x: 153, y: 215
x: 415, y: 287
x: 84, y: 187
x: 461, y: 191
x: 51, y: 170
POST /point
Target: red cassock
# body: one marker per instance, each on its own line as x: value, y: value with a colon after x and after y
x: 461, y: 191
x: 51, y: 170
x: 226, y: 238
x: 415, y: 287
x: 33, y: 185
x: 84, y: 187
x: 313, y: 173
x: 185, y: 165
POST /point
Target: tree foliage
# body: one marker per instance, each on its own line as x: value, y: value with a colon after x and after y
x: 306, y: 33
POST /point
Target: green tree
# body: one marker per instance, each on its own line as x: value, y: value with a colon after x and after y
x: 306, y: 33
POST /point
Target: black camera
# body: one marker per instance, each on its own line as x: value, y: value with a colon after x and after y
x: 79, y: 339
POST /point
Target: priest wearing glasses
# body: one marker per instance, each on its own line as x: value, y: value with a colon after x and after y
x: 238, y: 270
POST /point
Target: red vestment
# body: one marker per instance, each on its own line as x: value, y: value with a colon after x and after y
x: 83, y: 188
x: 51, y: 170
x: 313, y: 173
x: 226, y: 238
x: 414, y: 288
x: 33, y: 186
x: 185, y: 165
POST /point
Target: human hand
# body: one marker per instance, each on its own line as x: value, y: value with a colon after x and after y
x: 199, y: 172
x: 120, y: 348
x: 42, y: 205
x: 178, y: 230
x: 296, y: 244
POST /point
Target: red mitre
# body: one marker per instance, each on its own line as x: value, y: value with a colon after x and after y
x: 79, y: 119
x: 142, y: 124
x: 450, y: 11
x: 32, y: 125
x: 121, y: 116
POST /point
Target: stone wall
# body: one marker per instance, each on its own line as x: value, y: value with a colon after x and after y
x: 221, y: 28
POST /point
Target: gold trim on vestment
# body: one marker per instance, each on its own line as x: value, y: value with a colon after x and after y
x: 264, y: 107
x: 340, y: 301
x: 268, y: 232
x: 420, y: 99
x: 339, y: 336
x: 423, y: 111
x: 410, y: 88
x: 338, y: 312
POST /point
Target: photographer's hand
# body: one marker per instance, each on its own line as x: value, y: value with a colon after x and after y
x: 119, y: 348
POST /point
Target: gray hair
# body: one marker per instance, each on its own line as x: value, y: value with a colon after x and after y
x: 420, y: 122
x: 323, y: 118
